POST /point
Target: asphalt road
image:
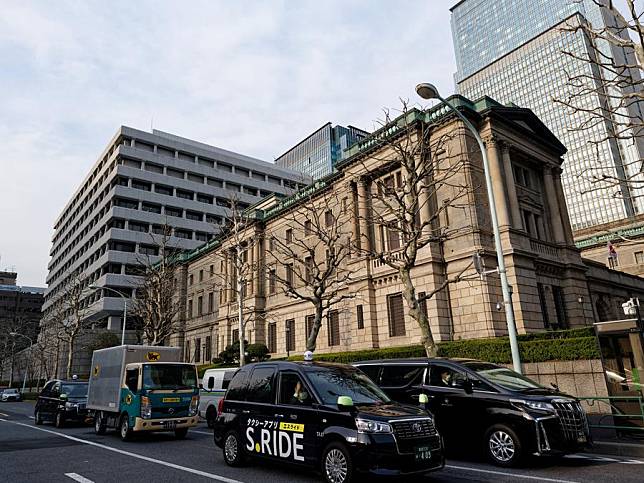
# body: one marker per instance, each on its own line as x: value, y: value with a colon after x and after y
x: 43, y: 453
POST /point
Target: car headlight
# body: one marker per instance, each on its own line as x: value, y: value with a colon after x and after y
x: 534, y: 405
x: 146, y: 407
x: 194, y: 406
x: 368, y: 426
x: 70, y: 405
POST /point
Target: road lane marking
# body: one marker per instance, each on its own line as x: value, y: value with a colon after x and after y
x: 201, y: 432
x: 205, y: 474
x: 5, y: 415
x: 507, y: 473
x: 79, y: 478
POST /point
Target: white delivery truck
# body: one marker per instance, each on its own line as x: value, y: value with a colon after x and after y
x: 142, y: 388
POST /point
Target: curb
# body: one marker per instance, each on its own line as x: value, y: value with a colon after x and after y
x: 613, y: 448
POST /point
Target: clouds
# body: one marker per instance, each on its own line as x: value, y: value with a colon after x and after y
x: 253, y: 77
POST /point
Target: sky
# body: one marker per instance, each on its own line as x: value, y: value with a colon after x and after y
x: 248, y: 76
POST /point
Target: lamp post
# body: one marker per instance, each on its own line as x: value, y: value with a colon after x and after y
x: 31, y: 343
x: 428, y: 91
x: 288, y: 341
x: 124, y: 297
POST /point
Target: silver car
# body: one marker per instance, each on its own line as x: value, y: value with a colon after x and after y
x: 11, y: 395
x: 213, y: 388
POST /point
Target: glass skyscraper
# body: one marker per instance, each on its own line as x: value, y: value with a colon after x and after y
x: 317, y: 155
x: 511, y: 50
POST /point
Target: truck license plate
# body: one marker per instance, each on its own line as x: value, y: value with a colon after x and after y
x: 169, y: 424
x: 423, y: 453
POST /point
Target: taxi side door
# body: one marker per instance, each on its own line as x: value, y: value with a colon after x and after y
x: 258, y: 421
x: 298, y: 415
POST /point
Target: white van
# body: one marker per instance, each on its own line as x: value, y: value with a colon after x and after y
x: 213, y: 388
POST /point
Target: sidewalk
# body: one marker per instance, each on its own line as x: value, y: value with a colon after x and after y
x: 610, y: 442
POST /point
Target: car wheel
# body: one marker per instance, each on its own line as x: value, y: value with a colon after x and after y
x: 337, y: 466
x: 124, y: 428
x: 100, y: 424
x: 233, y: 450
x: 59, y: 421
x: 211, y: 414
x: 38, y: 418
x: 180, y: 433
x: 503, y: 446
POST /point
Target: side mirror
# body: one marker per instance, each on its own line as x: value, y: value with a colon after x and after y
x: 468, y: 387
x: 63, y: 397
x: 211, y: 383
x: 345, y: 403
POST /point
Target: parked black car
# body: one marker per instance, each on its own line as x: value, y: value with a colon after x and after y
x: 506, y: 414
x: 61, y: 401
x: 330, y: 417
x: 10, y: 394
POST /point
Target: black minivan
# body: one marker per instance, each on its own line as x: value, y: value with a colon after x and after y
x: 506, y: 414
x: 61, y: 401
x: 330, y: 417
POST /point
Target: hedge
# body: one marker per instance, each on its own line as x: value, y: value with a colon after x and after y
x: 568, y: 345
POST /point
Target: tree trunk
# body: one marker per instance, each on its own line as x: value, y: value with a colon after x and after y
x: 70, y: 357
x: 416, y: 313
x: 311, y: 339
x: 240, y: 316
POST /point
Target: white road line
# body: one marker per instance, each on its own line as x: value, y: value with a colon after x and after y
x: 77, y: 477
x: 504, y: 473
x: 200, y: 432
x: 31, y: 417
x: 5, y: 415
x: 133, y: 455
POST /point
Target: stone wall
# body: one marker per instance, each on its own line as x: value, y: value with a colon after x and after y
x: 577, y: 378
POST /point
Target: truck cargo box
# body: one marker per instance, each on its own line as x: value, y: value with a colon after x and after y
x: 108, y: 367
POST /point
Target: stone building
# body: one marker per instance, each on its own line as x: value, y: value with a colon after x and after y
x: 551, y: 284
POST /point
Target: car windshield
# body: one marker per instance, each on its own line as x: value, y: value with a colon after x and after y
x: 169, y: 376
x: 503, y: 376
x: 10, y: 391
x: 74, y: 390
x: 334, y: 382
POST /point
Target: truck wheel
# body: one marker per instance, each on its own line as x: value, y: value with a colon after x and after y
x: 233, y: 455
x: 211, y: 414
x: 59, y: 421
x: 99, y: 423
x: 180, y: 433
x: 38, y: 417
x: 503, y: 446
x: 337, y: 466
x: 124, y: 428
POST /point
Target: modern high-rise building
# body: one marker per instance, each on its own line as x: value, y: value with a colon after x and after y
x: 317, y: 155
x: 142, y: 182
x: 511, y: 50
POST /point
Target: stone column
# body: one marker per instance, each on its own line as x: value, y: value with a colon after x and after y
x: 425, y: 207
x: 355, y: 219
x: 515, y: 211
x: 253, y: 272
x: 552, y: 200
x: 498, y: 184
x: 563, y: 208
x: 259, y: 268
x: 363, y: 213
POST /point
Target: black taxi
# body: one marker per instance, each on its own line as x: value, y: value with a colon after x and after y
x: 330, y: 417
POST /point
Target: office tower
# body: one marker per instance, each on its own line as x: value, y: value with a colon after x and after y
x: 317, y: 155
x: 511, y: 50
x: 141, y: 182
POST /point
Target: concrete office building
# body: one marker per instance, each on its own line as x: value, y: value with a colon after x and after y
x: 317, y: 155
x: 140, y: 182
x: 511, y: 50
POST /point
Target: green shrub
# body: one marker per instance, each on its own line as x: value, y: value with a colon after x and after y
x: 563, y: 345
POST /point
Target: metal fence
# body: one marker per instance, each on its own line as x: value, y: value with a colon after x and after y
x: 623, y: 414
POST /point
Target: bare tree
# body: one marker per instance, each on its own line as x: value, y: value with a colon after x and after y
x: 240, y: 266
x: 611, y: 71
x: 70, y: 316
x: 155, y: 306
x: 412, y: 188
x: 309, y: 255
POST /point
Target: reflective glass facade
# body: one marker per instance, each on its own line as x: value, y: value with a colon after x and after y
x: 317, y: 155
x: 522, y: 63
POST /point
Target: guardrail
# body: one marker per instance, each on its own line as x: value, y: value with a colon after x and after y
x: 620, y: 413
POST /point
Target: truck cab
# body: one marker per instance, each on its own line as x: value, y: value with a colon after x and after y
x: 149, y: 395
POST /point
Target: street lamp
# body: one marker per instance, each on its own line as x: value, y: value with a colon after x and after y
x: 31, y: 343
x: 428, y: 91
x: 124, y: 297
x: 288, y: 341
